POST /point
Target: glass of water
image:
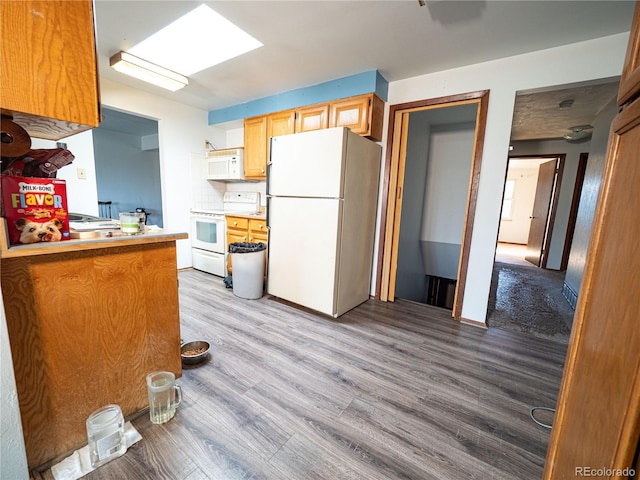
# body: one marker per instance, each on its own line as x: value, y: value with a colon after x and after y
x: 105, y: 433
x: 164, y: 396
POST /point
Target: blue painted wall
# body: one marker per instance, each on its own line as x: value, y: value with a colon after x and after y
x: 359, y: 84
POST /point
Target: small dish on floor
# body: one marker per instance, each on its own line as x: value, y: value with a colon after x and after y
x: 194, y: 352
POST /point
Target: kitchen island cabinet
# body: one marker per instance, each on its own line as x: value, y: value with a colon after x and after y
x: 87, y: 320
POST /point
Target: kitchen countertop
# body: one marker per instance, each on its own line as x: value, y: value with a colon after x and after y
x: 73, y: 245
x: 257, y: 216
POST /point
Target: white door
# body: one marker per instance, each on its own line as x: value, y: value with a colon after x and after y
x: 303, y: 249
x: 308, y: 164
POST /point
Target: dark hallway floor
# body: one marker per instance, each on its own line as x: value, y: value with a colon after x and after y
x: 528, y: 299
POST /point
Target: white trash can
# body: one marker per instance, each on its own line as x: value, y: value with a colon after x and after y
x: 247, y: 260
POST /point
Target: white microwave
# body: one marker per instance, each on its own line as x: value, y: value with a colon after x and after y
x: 225, y: 164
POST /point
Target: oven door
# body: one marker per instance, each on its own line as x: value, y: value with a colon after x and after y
x: 207, y: 232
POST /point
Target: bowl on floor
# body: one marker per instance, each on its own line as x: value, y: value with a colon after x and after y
x: 194, y: 352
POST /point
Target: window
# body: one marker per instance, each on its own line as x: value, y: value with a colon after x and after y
x: 507, y: 200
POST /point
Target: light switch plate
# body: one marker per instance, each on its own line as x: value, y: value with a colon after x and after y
x: 82, y: 174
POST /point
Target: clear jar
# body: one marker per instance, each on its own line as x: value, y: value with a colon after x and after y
x: 105, y: 433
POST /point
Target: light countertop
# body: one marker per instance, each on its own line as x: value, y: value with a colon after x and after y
x: 103, y: 241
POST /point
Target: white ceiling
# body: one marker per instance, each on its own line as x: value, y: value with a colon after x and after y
x: 311, y: 42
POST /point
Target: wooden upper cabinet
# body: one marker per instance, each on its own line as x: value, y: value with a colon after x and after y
x: 281, y: 123
x: 311, y: 118
x: 630, y: 80
x: 48, y: 60
x: 255, y: 147
x: 362, y: 114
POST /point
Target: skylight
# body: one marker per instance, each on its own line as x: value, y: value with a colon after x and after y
x: 198, y: 40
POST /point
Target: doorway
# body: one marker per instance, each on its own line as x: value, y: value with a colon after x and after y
x: 394, y: 192
x: 439, y: 150
x: 529, y: 205
x: 127, y: 163
x: 524, y: 295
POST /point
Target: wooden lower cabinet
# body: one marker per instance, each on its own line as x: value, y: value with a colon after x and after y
x: 85, y: 328
x: 243, y: 229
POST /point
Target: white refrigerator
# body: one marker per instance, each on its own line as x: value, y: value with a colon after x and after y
x: 322, y: 191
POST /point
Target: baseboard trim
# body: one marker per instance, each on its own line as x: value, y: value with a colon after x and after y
x: 569, y: 294
x: 474, y: 323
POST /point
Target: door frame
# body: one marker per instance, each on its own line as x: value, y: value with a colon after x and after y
x: 573, y: 211
x: 393, y: 183
x: 555, y: 196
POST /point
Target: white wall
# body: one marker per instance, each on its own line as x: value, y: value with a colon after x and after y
x: 589, y: 60
x: 13, y: 458
x: 516, y: 229
x: 182, y: 131
x: 589, y: 196
x: 448, y: 170
x: 82, y: 194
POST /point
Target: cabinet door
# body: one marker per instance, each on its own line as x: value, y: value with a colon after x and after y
x: 351, y: 113
x: 232, y: 237
x: 255, y: 147
x: 630, y: 81
x: 258, y: 229
x: 257, y: 237
x: 312, y: 118
x: 281, y: 123
x: 49, y: 78
x: 363, y: 115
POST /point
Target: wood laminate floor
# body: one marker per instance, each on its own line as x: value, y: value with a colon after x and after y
x: 387, y: 391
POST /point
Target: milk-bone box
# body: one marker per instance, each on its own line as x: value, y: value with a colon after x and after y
x: 35, y: 209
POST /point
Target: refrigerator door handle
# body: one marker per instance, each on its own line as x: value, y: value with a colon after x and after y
x: 267, y: 218
x: 269, y: 163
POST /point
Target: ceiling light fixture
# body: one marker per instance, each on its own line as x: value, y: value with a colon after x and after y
x: 194, y: 42
x: 146, y: 71
x: 579, y: 132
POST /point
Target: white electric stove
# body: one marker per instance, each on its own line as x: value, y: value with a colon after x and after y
x: 208, y: 230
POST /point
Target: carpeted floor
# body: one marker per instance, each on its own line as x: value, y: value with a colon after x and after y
x: 529, y: 300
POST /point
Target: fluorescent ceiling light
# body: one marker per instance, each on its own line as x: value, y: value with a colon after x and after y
x: 137, y: 67
x: 196, y: 41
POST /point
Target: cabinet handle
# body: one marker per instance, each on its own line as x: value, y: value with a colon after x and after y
x: 261, y: 227
x: 235, y: 223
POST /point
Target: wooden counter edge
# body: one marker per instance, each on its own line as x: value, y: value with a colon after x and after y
x: 257, y: 216
x: 64, y: 246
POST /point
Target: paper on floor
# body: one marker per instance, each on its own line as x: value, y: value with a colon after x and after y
x: 78, y: 464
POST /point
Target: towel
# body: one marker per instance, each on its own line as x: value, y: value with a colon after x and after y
x: 78, y: 464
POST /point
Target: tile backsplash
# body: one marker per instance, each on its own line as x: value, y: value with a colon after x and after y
x: 208, y: 194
